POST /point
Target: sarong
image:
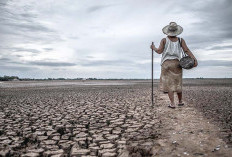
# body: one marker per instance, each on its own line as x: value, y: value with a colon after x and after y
x: 171, y: 76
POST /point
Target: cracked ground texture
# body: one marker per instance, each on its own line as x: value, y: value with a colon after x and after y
x: 75, y: 120
x: 106, y: 118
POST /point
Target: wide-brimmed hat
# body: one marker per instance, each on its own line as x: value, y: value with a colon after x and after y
x: 172, y: 29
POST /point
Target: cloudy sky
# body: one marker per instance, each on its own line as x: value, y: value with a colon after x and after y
x: 108, y: 38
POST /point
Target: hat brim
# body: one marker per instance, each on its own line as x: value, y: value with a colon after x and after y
x: 172, y: 33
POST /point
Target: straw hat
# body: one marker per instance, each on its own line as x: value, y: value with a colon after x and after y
x: 172, y: 29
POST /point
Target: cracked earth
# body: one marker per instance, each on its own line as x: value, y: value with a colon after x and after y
x: 102, y: 120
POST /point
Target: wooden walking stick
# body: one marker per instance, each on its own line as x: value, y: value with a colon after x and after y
x: 152, y: 100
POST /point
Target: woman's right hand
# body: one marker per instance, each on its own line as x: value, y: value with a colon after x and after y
x: 152, y: 47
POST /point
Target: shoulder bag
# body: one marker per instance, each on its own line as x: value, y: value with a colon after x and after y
x: 186, y: 62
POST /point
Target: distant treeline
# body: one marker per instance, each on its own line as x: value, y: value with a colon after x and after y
x: 9, y: 78
x: 16, y: 78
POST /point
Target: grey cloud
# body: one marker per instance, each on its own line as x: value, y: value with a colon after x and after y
x: 19, y: 49
x: 51, y: 64
x: 98, y: 7
x: 220, y: 47
x: 2, y: 3
x: 31, y: 27
x: 19, y: 36
x: 106, y: 63
x: 90, y: 57
x: 21, y: 24
x: 8, y: 59
x: 11, y: 15
x: 4, y: 59
x: 48, y: 49
x: 215, y: 63
x: 215, y: 25
x: 19, y: 55
x: 15, y: 68
x: 27, y: 15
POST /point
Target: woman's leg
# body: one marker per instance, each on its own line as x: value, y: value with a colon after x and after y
x: 179, y: 97
x: 171, y: 97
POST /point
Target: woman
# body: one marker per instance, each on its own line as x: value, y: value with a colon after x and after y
x: 171, y: 72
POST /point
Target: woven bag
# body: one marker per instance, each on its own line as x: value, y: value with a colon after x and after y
x: 186, y: 62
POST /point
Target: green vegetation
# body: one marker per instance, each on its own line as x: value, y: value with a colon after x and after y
x: 9, y: 78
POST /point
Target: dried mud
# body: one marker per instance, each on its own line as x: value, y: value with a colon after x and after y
x: 97, y: 120
x: 75, y: 120
x: 214, y: 99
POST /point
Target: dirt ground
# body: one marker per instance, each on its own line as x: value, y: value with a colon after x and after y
x: 114, y: 118
x: 187, y: 133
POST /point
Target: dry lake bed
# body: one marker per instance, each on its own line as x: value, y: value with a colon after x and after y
x: 113, y: 118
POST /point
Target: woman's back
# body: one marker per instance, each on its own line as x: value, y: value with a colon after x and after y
x: 172, y: 49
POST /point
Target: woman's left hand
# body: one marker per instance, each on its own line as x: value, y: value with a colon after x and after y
x: 195, y: 63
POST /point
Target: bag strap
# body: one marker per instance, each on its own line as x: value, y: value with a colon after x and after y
x: 182, y: 51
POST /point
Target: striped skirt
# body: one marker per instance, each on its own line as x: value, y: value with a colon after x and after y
x: 171, y: 76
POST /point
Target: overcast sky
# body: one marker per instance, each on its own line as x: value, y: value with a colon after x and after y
x: 109, y: 38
